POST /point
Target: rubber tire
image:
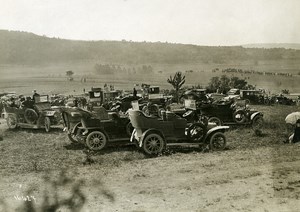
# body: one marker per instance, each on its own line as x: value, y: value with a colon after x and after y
x: 30, y: 120
x: 242, y: 112
x: 254, y: 122
x: 212, y: 139
x: 215, y: 120
x: 11, y: 118
x: 47, y: 123
x: 90, y: 142
x: 196, y: 139
x: 158, y: 138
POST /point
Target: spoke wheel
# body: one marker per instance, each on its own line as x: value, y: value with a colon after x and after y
x: 196, y: 132
x: 217, y: 141
x: 239, y: 116
x: 11, y: 122
x: 153, y: 144
x: 257, y: 125
x: 257, y: 122
x: 96, y: 140
x: 30, y: 116
x: 47, y: 124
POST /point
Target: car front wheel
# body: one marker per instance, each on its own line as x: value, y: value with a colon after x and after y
x: 217, y: 141
x: 257, y: 124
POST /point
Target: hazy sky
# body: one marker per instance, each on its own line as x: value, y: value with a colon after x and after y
x: 203, y: 22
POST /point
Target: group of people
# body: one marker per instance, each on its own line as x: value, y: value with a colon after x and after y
x: 23, y: 101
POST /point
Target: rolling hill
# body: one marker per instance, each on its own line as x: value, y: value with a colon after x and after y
x: 30, y: 49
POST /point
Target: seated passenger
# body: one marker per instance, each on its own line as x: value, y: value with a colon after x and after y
x: 150, y: 109
x: 28, y: 103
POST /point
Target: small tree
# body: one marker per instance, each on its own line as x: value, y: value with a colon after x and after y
x: 285, y: 91
x: 177, y: 82
x: 70, y: 74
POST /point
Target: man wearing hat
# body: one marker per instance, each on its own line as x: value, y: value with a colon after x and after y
x: 35, y: 96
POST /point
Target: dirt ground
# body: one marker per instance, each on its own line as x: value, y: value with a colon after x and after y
x: 252, y: 174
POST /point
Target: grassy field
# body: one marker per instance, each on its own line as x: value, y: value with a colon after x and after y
x: 252, y: 174
x: 52, y: 79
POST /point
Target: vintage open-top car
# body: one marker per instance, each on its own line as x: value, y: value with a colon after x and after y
x: 232, y: 112
x: 33, y: 113
x: 153, y: 134
x: 96, y: 129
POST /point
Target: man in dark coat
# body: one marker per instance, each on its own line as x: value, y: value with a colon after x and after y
x: 296, y: 137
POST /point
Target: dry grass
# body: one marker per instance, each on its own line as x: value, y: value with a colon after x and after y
x: 30, y: 154
x: 36, y: 151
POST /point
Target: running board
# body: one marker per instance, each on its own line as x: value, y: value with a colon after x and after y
x: 119, y: 139
x: 183, y: 144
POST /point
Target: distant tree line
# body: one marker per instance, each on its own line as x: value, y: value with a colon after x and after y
x: 241, y: 71
x: 114, y: 69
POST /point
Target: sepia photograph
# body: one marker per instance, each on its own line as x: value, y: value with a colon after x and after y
x: 149, y: 105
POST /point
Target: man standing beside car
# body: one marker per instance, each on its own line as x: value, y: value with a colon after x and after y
x: 35, y: 96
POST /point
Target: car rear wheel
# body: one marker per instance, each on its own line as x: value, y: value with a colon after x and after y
x: 47, y: 124
x: 196, y: 132
x: 217, y: 141
x: 96, y: 140
x: 11, y: 122
x: 153, y: 144
x: 239, y: 116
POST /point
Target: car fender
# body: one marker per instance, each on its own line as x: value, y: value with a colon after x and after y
x: 255, y: 114
x: 215, y: 129
x: 151, y: 130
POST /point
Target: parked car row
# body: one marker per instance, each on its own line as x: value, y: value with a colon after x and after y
x: 150, y: 124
